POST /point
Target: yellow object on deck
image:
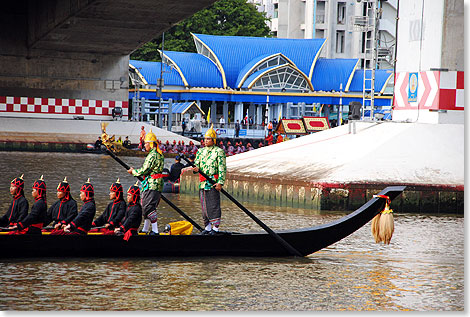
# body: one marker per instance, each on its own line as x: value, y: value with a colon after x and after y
x: 179, y: 228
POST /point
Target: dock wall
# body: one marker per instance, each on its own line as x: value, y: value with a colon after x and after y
x: 341, y: 168
x: 334, y: 197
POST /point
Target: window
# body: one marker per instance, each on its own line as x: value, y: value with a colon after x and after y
x: 283, y: 78
x: 340, y: 41
x: 341, y: 12
x: 319, y: 34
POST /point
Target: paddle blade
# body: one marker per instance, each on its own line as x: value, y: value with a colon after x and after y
x: 386, y: 227
x: 375, y: 228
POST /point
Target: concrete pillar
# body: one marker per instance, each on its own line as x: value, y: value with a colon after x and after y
x: 213, y: 112
x: 225, y: 111
x: 309, y: 19
x: 170, y: 114
x: 252, y: 111
x: 238, y: 115
x: 259, y: 114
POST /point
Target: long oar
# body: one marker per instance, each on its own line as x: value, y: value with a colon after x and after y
x: 185, y: 216
x: 283, y: 242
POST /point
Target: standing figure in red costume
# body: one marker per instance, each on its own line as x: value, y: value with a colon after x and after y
x: 112, y: 215
x: 81, y: 224
x: 133, y: 217
x: 18, y: 209
x: 62, y: 211
x: 33, y: 222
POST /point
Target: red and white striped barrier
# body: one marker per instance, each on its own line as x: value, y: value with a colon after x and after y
x: 437, y: 90
x: 33, y: 107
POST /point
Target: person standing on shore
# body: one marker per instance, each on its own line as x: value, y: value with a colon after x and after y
x: 222, y: 121
x: 152, y: 184
x: 212, y: 161
x: 141, y: 139
x: 237, y: 128
x: 18, y: 209
x: 183, y: 126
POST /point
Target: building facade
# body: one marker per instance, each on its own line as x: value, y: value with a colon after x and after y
x: 333, y: 20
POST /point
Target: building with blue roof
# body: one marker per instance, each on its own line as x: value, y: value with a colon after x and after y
x: 262, y: 78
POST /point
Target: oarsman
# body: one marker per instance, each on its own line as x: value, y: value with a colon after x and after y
x: 230, y: 148
x: 34, y: 221
x: 192, y: 148
x: 191, y: 158
x: 175, y: 170
x: 269, y: 139
x: 211, y: 160
x: 81, y: 224
x: 114, y: 212
x: 133, y: 216
x: 19, y: 207
x: 152, y: 184
x: 62, y: 211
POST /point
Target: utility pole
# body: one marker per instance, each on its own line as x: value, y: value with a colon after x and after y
x: 160, y: 87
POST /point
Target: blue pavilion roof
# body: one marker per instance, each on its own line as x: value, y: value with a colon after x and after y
x: 182, y: 107
x: 198, y: 70
x: 151, y: 72
x: 235, y: 52
x: 329, y: 74
x: 382, y: 76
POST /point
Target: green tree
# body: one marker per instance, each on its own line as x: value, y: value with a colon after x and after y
x: 224, y: 17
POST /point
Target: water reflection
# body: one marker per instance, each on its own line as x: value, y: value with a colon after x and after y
x: 422, y: 269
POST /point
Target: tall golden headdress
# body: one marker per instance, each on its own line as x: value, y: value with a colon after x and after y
x: 211, y: 133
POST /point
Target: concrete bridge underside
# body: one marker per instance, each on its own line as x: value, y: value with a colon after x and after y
x: 79, y: 49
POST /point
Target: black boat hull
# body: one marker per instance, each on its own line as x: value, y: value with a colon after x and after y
x: 306, y: 240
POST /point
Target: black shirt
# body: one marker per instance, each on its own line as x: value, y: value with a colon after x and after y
x: 61, y: 212
x: 113, y: 214
x: 84, y: 218
x: 36, y: 216
x: 175, y: 171
x: 17, y: 211
x: 132, y: 218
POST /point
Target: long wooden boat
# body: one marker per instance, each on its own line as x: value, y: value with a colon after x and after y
x: 305, y: 240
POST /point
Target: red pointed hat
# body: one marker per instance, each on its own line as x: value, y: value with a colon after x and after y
x: 18, y: 181
x: 88, y: 189
x: 40, y: 186
x: 63, y: 186
x: 117, y: 188
x: 134, y: 190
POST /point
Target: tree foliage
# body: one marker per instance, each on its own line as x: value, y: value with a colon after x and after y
x: 224, y: 17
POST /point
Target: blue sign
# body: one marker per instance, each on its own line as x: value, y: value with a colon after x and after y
x: 221, y: 131
x: 242, y: 132
x: 413, y: 87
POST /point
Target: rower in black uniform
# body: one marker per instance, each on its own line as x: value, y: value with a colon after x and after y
x: 114, y: 212
x: 133, y: 217
x: 34, y: 221
x: 18, y: 209
x: 63, y: 211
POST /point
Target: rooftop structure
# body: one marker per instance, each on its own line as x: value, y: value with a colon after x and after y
x: 260, y: 75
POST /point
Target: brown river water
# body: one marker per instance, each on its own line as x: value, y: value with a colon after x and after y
x: 421, y: 270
